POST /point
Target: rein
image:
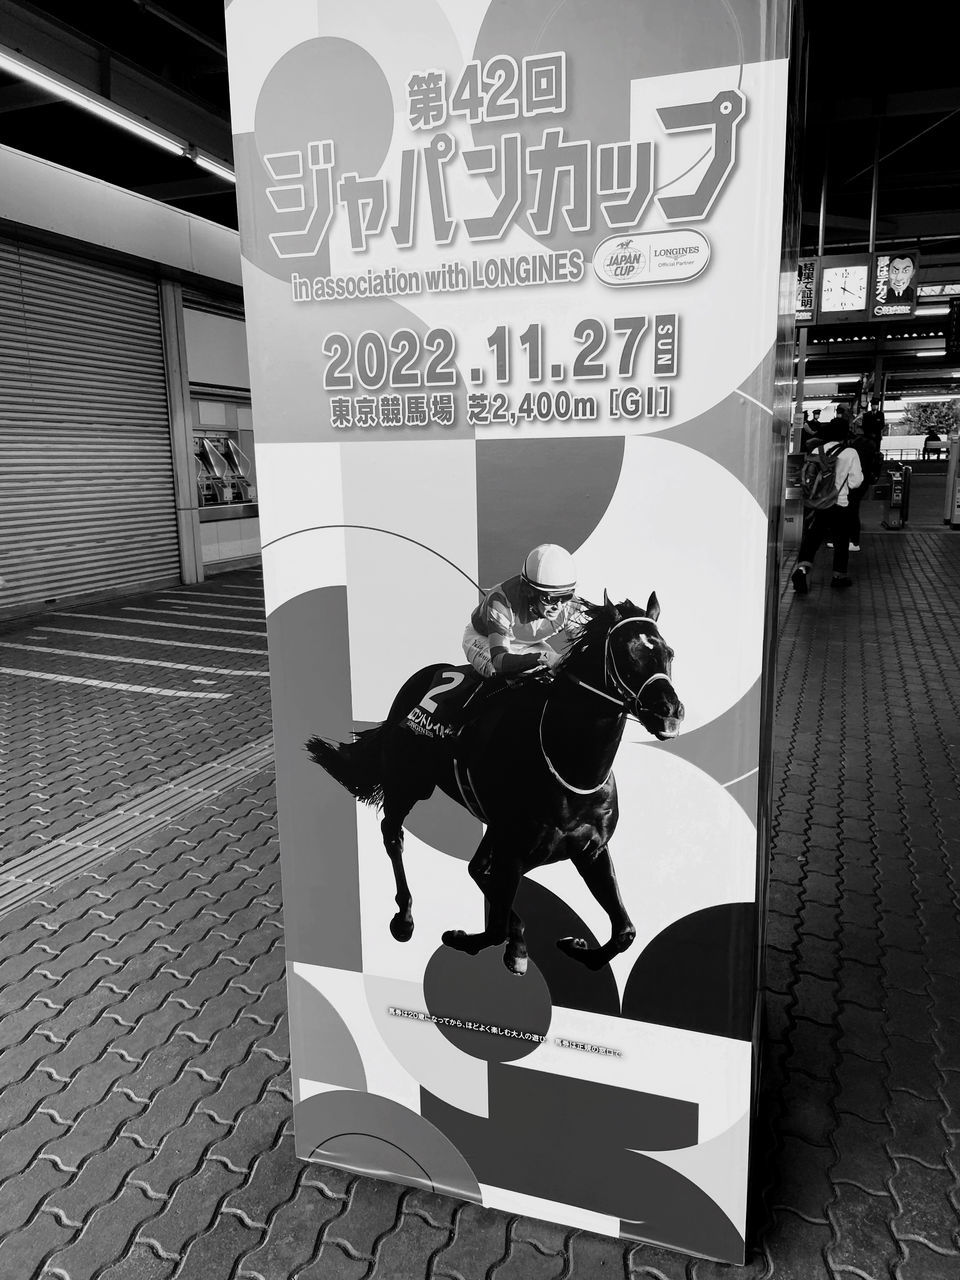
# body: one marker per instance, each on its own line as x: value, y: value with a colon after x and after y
x: 627, y: 699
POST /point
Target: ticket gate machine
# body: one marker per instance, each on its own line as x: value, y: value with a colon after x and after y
x: 222, y: 472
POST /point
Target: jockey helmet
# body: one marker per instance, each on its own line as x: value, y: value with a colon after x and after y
x: 550, y: 571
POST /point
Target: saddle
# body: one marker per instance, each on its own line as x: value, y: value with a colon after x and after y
x: 455, y: 698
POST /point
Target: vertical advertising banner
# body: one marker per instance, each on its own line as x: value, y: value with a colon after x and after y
x: 895, y: 283
x: 511, y: 276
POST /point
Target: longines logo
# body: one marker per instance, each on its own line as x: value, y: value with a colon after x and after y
x: 651, y: 257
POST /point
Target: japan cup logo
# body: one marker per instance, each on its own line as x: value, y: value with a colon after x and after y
x: 625, y: 261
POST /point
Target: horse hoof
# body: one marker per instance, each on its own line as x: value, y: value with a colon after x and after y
x: 573, y: 947
x: 401, y: 928
x: 453, y: 938
x: 516, y: 965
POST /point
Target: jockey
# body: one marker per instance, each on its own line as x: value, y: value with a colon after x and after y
x: 526, y: 623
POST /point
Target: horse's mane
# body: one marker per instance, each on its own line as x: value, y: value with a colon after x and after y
x: 598, y: 620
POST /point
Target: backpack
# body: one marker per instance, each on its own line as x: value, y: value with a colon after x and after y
x: 818, y: 478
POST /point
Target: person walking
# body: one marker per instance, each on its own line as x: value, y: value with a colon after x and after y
x: 831, y: 523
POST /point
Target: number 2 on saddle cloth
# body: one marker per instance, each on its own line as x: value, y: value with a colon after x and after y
x: 454, y: 697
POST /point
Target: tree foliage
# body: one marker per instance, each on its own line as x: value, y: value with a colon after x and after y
x: 919, y: 416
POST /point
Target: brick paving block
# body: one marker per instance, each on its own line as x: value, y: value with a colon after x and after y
x: 440, y: 1211
x: 863, y: 1031
x: 156, y: 1030
x: 92, y: 1130
x: 813, y: 1048
x: 523, y: 1262
x: 161, y: 1066
x: 22, y: 1252
x: 906, y: 970
x: 373, y: 1209
x: 862, y: 1088
x: 214, y: 1254
x: 210, y: 983
x: 820, y: 919
x: 336, y: 1183
x: 916, y: 1127
x: 927, y: 1214
x: 265, y: 970
x: 862, y: 1235
x: 18, y: 1023
x: 912, y: 1066
x: 276, y: 1043
x: 406, y: 1248
x: 816, y: 999
x: 863, y: 984
x: 16, y: 1064
x: 242, y: 1086
x: 105, y: 1236
x: 20, y: 1196
x: 292, y: 1235
x: 911, y: 1015
x: 778, y: 970
x: 808, y: 1110
x: 179, y: 1154
x: 818, y: 956
x: 168, y: 1109
x: 90, y: 1085
x: 86, y: 1045
x: 191, y: 1209
x: 596, y: 1256
x: 921, y: 1263
x: 222, y: 1012
x: 18, y: 1100
x: 140, y: 1263
x: 98, y: 1180
x: 777, y: 1016
x: 19, y: 1146
x: 272, y: 1181
x: 334, y: 1263
x: 803, y: 1183
x: 227, y: 1049
x: 256, y: 1130
x: 479, y: 1242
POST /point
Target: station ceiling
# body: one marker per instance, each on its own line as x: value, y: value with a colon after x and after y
x: 871, y: 94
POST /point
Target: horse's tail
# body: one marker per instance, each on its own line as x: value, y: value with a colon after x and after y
x: 355, y: 765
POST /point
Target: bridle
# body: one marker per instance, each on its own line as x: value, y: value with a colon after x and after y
x: 628, y: 699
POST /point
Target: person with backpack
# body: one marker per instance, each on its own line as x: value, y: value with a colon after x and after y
x: 830, y: 474
x: 871, y: 464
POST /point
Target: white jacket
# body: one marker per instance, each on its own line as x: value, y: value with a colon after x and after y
x: 848, y: 474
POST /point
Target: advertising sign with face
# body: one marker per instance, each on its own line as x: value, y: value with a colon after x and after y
x: 895, y: 284
x: 513, y: 281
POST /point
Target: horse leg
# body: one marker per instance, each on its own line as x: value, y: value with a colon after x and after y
x: 515, y: 952
x: 599, y: 877
x: 498, y: 880
x: 398, y: 800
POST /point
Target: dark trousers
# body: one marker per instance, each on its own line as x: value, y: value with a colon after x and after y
x: 855, y: 497
x: 832, y: 525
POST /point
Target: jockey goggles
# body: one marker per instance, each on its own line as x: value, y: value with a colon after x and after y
x: 555, y: 595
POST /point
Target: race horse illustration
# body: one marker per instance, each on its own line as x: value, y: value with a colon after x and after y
x: 533, y: 762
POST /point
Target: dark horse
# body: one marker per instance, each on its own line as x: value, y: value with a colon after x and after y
x: 534, y: 763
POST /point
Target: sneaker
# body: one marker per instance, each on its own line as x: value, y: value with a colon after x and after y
x: 841, y: 583
x: 799, y: 579
x: 854, y: 546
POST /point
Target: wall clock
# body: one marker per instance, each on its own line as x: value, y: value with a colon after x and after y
x: 844, y: 288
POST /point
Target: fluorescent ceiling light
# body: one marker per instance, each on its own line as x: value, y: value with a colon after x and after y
x: 933, y: 311
x: 29, y: 71
x: 214, y: 166
x: 941, y: 352
x: 87, y: 100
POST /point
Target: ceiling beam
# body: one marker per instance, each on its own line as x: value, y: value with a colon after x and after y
x: 188, y: 189
x: 920, y: 102
x: 22, y: 97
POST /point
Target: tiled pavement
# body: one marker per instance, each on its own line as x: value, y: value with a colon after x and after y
x: 144, y: 1091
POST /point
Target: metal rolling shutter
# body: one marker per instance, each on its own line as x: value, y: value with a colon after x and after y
x: 86, y: 479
